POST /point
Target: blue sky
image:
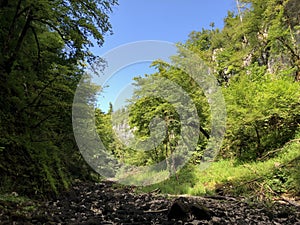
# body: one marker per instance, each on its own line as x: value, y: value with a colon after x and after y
x: 164, y: 20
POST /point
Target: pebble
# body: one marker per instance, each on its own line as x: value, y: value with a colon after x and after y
x: 103, y: 203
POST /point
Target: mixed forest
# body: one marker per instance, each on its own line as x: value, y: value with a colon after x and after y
x: 44, y: 51
x: 255, y: 58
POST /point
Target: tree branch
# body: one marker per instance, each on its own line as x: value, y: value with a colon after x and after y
x: 289, y: 48
x: 39, y: 94
x: 11, y: 28
x: 38, y: 46
x: 41, y: 121
x: 277, y: 150
x: 52, y: 27
x: 204, y: 132
x: 13, y: 57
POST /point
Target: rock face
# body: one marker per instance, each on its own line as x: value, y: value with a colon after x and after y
x: 105, y: 203
x: 292, y: 10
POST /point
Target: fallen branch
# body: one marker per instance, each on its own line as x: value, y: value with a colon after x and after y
x: 277, y: 150
x: 156, y: 211
x: 291, y: 202
x: 215, y: 197
x: 219, y: 197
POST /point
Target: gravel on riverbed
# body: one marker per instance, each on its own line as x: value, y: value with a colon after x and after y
x: 106, y: 203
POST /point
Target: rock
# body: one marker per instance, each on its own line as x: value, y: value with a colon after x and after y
x: 182, y: 210
x: 107, y: 203
x: 179, y: 210
x: 200, y: 212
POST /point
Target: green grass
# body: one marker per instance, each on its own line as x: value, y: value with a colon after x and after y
x: 264, y: 179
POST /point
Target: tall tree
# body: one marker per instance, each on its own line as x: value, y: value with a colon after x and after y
x: 43, y: 46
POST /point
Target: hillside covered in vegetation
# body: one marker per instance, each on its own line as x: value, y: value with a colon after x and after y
x: 255, y: 59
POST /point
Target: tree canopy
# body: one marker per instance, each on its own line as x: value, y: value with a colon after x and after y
x: 45, y: 52
x: 255, y: 59
x: 44, y: 46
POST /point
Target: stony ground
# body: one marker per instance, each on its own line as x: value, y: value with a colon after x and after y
x: 105, y: 203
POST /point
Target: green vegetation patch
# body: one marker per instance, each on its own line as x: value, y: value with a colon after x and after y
x: 264, y: 179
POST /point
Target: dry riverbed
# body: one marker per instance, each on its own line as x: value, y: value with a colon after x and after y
x: 107, y: 203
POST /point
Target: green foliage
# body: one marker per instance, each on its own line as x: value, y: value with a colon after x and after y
x: 147, y: 108
x: 41, y: 63
x: 255, y: 58
x: 265, y: 180
x: 261, y: 117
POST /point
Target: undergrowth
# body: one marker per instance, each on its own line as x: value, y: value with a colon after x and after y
x: 17, y: 205
x: 265, y: 179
